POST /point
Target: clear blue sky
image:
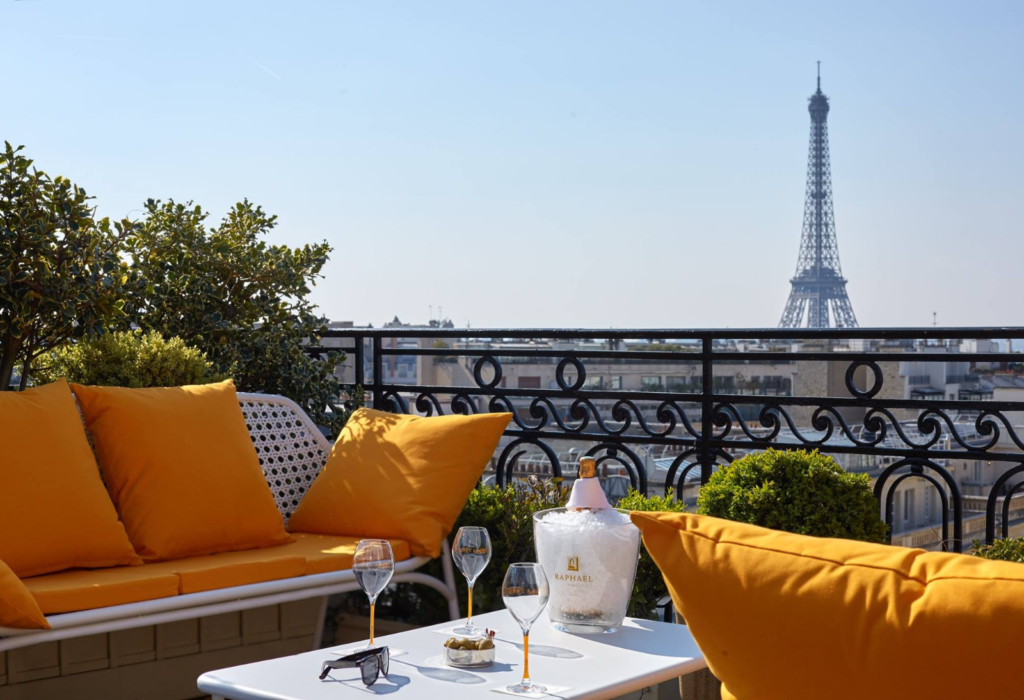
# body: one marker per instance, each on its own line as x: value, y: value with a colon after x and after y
x: 555, y: 164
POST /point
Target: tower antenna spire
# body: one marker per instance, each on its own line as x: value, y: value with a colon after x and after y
x: 819, y: 76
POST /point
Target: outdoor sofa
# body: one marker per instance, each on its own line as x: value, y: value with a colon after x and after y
x: 148, y: 630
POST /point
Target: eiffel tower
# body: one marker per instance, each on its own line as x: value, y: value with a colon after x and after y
x: 818, y: 283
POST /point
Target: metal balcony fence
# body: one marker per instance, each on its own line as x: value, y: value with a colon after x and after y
x: 853, y: 401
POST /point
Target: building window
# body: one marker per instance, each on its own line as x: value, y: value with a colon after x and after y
x: 593, y: 383
x: 908, y: 506
x: 725, y: 385
x: 529, y: 382
x: 677, y: 383
x: 650, y: 384
x: 616, y: 383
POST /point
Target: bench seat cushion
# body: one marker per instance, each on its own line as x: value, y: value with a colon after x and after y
x: 71, y: 591
x: 326, y: 553
x: 215, y: 571
x: 780, y: 616
x: 87, y: 589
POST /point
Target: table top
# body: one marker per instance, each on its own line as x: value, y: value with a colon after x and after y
x: 639, y: 654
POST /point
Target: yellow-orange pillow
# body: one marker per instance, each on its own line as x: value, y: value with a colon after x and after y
x: 54, y: 512
x: 181, y: 469
x: 790, y: 617
x: 399, y: 477
x: 17, y: 606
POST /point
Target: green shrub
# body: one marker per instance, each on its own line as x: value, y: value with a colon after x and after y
x: 507, y: 513
x: 649, y: 586
x: 802, y: 492
x: 130, y: 359
x: 1003, y: 550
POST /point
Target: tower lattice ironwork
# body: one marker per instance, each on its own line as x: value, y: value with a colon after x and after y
x: 818, y: 285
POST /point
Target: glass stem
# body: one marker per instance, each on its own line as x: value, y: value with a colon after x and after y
x: 469, y: 615
x: 372, y: 606
x: 526, y: 659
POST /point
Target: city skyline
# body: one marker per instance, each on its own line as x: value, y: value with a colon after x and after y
x: 580, y: 165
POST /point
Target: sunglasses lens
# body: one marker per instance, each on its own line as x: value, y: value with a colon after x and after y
x: 385, y: 661
x: 370, y: 669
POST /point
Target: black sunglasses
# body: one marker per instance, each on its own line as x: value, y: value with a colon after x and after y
x: 370, y: 662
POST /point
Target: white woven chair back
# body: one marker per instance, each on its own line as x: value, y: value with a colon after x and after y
x: 292, y: 450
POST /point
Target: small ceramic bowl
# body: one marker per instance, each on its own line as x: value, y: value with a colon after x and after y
x: 469, y: 658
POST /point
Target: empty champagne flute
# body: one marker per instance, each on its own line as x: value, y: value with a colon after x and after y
x: 472, y: 553
x: 373, y: 565
x: 525, y: 592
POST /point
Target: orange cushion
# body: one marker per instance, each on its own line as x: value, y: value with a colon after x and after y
x: 54, y: 512
x: 402, y: 477
x: 70, y: 591
x: 792, y: 617
x: 181, y: 469
x: 324, y: 553
x: 211, y: 572
x: 17, y: 606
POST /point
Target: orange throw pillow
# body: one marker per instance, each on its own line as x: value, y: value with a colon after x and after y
x: 400, y: 477
x: 780, y: 616
x: 18, y: 608
x: 181, y: 469
x: 54, y: 512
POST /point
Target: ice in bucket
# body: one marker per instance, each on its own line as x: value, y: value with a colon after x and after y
x: 589, y: 551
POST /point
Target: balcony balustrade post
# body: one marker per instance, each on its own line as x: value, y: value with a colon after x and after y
x: 378, y: 374
x: 359, y: 350
x: 706, y: 421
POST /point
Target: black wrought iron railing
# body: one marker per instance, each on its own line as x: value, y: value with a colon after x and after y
x: 664, y: 408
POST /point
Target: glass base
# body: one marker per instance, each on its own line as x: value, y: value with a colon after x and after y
x: 524, y: 688
x: 469, y: 631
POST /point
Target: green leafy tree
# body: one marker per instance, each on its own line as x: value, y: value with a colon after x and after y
x: 240, y: 300
x: 128, y: 358
x: 802, y: 492
x: 60, y: 273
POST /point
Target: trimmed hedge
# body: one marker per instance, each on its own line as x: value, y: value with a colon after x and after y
x: 802, y: 492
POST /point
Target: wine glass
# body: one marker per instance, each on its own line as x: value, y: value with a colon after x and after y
x: 373, y: 565
x: 525, y: 592
x: 472, y: 553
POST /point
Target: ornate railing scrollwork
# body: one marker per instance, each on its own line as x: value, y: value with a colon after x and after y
x: 395, y: 403
x: 675, y: 480
x: 478, y: 371
x: 581, y: 374
x: 513, y: 451
x: 917, y: 467
x: 999, y: 490
x: 873, y: 388
x: 703, y: 404
x: 633, y: 465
